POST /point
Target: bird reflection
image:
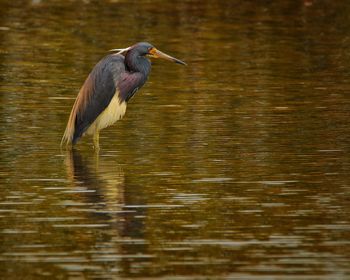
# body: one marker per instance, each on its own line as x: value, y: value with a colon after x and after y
x: 101, y: 184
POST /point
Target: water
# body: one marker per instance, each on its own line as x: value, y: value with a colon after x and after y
x: 234, y: 167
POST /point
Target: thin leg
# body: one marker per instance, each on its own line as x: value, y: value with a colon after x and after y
x: 96, y: 139
x: 96, y: 159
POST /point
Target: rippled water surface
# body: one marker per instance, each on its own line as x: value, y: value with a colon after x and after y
x: 234, y: 167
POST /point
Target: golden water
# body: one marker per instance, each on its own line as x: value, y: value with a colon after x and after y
x: 234, y: 167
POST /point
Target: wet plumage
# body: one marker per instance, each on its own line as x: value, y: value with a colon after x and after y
x: 103, y: 98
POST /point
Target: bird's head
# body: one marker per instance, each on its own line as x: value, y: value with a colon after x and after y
x: 146, y: 49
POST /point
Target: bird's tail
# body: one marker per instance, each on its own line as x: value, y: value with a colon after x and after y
x: 67, y: 138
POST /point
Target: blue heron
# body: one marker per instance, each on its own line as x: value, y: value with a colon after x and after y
x: 103, y: 98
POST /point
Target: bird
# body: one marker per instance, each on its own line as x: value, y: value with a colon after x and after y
x: 103, y: 98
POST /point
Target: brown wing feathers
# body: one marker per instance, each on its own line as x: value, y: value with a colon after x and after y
x: 79, y: 105
x: 94, y: 96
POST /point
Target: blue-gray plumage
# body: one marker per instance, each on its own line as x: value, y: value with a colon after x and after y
x: 110, y: 85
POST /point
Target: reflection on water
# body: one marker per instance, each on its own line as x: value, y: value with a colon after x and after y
x: 98, y: 188
x: 68, y: 233
x: 235, y: 167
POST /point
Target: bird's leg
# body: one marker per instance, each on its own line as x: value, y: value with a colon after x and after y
x: 96, y: 159
x: 96, y: 139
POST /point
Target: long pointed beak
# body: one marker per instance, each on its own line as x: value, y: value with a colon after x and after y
x: 158, y: 54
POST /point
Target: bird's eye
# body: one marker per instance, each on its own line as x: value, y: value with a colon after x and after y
x: 151, y: 50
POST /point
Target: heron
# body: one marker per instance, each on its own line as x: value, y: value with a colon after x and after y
x: 103, y: 98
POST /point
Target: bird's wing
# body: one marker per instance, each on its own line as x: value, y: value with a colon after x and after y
x: 105, y: 80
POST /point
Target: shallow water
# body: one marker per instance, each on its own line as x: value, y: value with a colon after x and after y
x: 234, y: 167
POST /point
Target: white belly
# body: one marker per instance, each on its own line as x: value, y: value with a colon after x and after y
x: 114, y: 112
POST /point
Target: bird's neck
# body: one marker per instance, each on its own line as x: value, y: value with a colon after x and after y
x: 137, y: 63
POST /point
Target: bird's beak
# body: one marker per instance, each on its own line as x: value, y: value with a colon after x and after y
x: 153, y: 52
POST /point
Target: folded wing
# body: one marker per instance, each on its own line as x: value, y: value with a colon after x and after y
x: 94, y: 97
